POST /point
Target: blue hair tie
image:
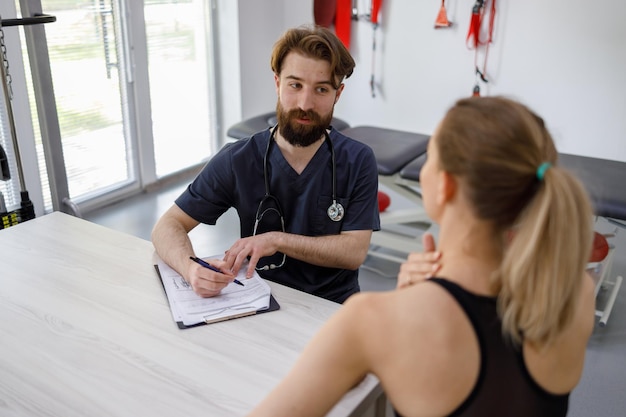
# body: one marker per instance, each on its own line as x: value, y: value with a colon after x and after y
x: 541, y: 171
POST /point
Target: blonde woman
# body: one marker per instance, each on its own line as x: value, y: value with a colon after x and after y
x: 502, y: 328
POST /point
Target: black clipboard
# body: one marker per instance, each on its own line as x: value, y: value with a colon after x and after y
x: 272, y: 307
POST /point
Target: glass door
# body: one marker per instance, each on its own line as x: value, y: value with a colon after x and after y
x: 88, y: 72
x: 179, y: 54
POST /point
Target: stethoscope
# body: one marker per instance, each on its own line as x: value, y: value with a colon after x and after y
x: 335, y: 210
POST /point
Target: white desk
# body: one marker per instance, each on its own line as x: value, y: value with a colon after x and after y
x: 85, y: 330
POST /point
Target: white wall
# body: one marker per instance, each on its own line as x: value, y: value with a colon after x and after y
x: 227, y: 65
x: 566, y: 59
x: 261, y: 23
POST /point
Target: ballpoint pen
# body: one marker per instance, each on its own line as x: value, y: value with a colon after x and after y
x: 212, y: 268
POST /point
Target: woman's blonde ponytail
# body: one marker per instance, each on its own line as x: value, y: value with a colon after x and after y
x: 541, y: 273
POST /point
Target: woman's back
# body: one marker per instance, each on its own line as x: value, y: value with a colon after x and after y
x: 450, y: 356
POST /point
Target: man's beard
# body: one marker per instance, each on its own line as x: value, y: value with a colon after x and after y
x: 298, y: 134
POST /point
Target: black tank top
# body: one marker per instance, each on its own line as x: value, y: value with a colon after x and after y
x: 504, y: 386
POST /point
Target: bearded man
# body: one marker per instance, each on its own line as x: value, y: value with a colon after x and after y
x: 305, y: 194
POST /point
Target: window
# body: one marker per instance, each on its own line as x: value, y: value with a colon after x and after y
x: 98, y: 64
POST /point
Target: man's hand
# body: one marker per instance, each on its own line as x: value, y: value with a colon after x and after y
x: 204, y: 281
x: 255, y: 247
x: 420, y: 265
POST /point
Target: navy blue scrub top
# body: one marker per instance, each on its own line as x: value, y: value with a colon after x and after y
x: 234, y: 178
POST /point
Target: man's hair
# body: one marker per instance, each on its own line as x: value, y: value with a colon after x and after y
x: 314, y: 42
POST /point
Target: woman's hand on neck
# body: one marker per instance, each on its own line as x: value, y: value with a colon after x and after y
x: 471, y: 249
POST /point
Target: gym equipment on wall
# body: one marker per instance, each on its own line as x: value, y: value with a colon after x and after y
x: 26, y: 211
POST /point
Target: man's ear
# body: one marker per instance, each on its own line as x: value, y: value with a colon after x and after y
x: 338, y: 92
x: 277, y: 83
x: 447, y: 187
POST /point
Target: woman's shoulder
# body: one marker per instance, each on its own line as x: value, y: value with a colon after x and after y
x: 417, y: 340
x: 424, y: 307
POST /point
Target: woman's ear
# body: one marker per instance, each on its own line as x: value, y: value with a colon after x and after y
x: 447, y: 187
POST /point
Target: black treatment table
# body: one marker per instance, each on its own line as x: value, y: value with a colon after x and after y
x: 395, y: 151
x: 605, y: 181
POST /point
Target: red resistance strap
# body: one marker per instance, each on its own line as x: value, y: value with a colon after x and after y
x: 473, y: 36
x: 442, y: 17
x: 343, y: 21
x: 376, y: 4
x: 375, y: 9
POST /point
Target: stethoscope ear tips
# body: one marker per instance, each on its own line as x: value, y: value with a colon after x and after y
x: 335, y: 211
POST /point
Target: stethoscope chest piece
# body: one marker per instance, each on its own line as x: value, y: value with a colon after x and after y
x: 335, y: 211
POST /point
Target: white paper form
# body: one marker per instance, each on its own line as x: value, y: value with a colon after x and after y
x: 233, y: 301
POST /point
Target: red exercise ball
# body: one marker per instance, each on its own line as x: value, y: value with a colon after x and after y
x: 383, y: 201
x: 599, y: 249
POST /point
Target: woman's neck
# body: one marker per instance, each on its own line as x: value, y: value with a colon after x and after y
x: 471, y: 252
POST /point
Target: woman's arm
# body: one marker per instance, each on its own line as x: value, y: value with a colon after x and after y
x: 332, y: 364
